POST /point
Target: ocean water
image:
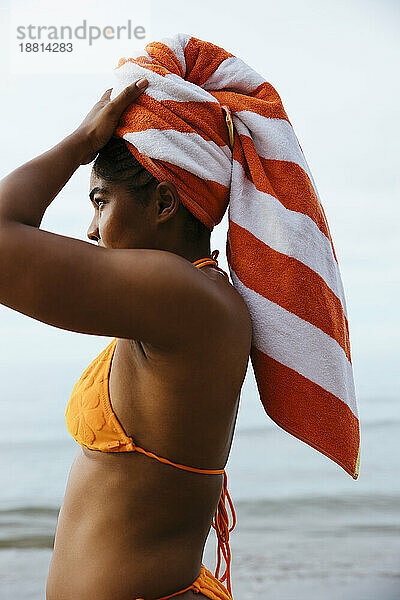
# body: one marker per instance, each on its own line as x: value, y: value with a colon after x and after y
x: 305, y: 529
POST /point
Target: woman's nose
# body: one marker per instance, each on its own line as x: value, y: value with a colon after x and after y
x: 93, y: 231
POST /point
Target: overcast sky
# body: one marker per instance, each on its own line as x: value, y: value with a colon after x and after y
x: 334, y: 64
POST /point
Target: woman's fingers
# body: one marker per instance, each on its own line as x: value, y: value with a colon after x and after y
x: 99, y: 125
x: 106, y: 95
x: 142, y: 83
x: 129, y: 94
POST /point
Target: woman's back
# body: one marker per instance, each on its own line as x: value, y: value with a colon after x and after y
x: 123, y: 512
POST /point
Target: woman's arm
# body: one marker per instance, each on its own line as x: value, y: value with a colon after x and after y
x: 143, y: 294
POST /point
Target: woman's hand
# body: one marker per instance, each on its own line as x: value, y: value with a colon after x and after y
x: 99, y: 125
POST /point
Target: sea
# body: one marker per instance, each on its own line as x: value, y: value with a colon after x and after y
x: 305, y: 529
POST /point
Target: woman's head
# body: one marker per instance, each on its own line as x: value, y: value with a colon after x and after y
x: 133, y: 209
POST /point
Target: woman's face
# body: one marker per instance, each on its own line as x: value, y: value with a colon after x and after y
x: 118, y: 221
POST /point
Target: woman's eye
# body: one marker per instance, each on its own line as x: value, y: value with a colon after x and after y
x: 98, y: 202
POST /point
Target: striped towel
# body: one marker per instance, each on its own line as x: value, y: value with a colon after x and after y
x: 218, y: 130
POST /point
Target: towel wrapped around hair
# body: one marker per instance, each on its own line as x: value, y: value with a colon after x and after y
x: 217, y: 129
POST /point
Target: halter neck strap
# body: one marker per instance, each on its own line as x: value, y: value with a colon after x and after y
x: 212, y: 261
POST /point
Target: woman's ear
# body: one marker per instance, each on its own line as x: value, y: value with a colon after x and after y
x: 168, y: 201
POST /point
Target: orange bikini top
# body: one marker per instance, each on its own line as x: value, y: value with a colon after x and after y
x: 93, y: 424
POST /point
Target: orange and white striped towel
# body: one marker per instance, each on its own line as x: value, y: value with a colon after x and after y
x: 279, y: 248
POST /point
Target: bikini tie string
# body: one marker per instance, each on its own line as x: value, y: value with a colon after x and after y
x: 214, y: 255
x: 203, y: 262
x: 221, y: 526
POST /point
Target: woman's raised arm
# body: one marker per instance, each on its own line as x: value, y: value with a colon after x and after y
x: 144, y: 294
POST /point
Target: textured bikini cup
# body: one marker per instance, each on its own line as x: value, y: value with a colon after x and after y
x: 89, y: 415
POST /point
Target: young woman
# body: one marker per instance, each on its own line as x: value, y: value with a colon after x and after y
x: 133, y: 524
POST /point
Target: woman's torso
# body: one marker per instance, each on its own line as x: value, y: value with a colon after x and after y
x: 131, y: 526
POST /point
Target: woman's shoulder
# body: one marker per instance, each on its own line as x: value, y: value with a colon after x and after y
x: 218, y: 328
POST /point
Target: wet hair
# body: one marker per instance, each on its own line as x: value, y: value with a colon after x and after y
x: 115, y: 163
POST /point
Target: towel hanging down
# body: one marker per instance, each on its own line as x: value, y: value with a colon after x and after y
x: 218, y: 130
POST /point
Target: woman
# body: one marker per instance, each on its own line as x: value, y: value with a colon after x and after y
x: 129, y: 526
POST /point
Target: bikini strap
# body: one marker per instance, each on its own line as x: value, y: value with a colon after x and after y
x: 221, y: 526
x: 203, y: 262
x: 178, y: 465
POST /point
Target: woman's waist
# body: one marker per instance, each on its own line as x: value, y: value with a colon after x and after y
x: 146, y: 499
